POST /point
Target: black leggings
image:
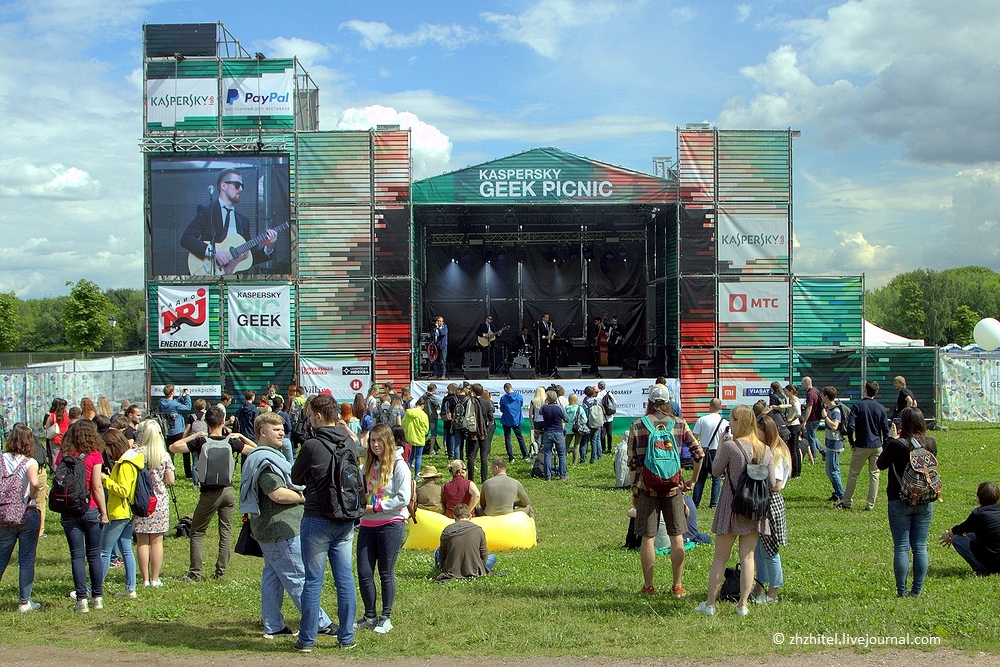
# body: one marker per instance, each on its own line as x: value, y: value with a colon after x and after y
x: 793, y: 448
x: 381, y: 545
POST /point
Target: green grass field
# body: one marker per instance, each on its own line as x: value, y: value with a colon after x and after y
x: 576, y: 592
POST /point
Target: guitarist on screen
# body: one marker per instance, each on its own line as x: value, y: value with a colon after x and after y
x: 206, y: 235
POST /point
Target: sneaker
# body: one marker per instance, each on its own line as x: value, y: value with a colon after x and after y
x: 145, y: 584
x: 703, y: 608
x: 647, y: 590
x: 366, y: 622
x: 383, y: 626
x: 302, y: 648
x: 156, y: 584
x: 347, y: 646
x: 678, y: 591
x: 742, y: 611
x: 81, y: 606
x: 329, y: 630
x: 97, y: 602
x: 190, y: 578
x: 28, y: 606
x: 832, y: 497
x: 839, y: 504
x: 759, y: 598
x: 131, y: 595
x: 283, y: 632
x: 72, y: 595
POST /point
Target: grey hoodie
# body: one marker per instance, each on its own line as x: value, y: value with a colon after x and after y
x: 393, y: 504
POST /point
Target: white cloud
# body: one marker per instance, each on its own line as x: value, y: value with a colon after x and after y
x: 430, y: 148
x: 743, y: 12
x: 682, y: 14
x: 375, y: 34
x: 306, y: 51
x: 852, y: 254
x: 22, y: 179
x: 921, y: 72
x: 543, y: 25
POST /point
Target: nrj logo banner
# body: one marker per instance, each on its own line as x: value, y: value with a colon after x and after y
x: 260, y: 317
x: 264, y: 95
x: 760, y: 301
x: 183, y: 317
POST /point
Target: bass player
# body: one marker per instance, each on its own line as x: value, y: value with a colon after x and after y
x: 205, y: 236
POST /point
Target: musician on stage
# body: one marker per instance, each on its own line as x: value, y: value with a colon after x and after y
x: 220, y: 220
x: 524, y: 343
x: 615, y: 339
x: 440, y: 338
x: 545, y: 332
x: 594, y: 341
x: 485, y: 333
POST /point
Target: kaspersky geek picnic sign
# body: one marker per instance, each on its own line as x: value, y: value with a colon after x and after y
x: 182, y: 321
x: 259, y: 317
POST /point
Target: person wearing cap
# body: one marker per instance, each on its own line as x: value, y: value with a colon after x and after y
x: 651, y: 504
x: 429, y: 493
x: 460, y: 489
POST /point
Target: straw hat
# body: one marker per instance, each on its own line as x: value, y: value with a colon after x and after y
x: 429, y: 472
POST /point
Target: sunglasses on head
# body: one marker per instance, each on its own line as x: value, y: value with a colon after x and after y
x: 236, y: 184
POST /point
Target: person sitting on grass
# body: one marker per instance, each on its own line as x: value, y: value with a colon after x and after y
x: 463, y: 553
x: 977, y: 539
x: 460, y: 489
x: 429, y: 493
x: 502, y: 494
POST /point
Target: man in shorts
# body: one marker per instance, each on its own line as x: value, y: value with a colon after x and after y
x: 649, y: 504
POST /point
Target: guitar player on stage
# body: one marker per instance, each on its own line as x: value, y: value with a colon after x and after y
x: 545, y: 332
x: 486, y: 337
x: 205, y: 236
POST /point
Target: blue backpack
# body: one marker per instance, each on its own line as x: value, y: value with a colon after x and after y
x: 661, y: 468
x: 144, y: 499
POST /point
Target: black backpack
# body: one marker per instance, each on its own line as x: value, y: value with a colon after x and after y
x: 609, y: 404
x: 842, y: 428
x: 165, y: 422
x: 344, y: 500
x: 300, y: 429
x: 385, y: 415
x: 751, y: 495
x: 69, y: 494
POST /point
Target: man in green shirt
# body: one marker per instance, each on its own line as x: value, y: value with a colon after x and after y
x: 273, y: 506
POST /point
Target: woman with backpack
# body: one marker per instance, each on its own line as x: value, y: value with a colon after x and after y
x: 909, y: 523
x: 383, y: 527
x: 19, y: 515
x: 573, y: 439
x: 84, y: 446
x: 121, y: 491
x: 149, y: 530
x: 360, y: 412
x: 767, y: 560
x: 731, y: 523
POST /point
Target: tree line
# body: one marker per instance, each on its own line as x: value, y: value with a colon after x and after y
x: 939, y: 306
x: 78, y: 322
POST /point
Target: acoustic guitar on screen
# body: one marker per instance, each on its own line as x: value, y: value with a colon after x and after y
x: 239, y: 249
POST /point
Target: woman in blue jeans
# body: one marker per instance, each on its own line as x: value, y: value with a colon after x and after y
x: 18, y: 461
x: 83, y: 531
x: 121, y: 487
x: 909, y: 524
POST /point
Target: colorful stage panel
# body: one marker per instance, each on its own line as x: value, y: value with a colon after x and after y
x: 698, y: 240
x: 754, y: 166
x: 827, y: 312
x: 392, y: 167
x: 916, y: 364
x: 697, y: 382
x: 201, y: 373
x: 394, y: 310
x: 696, y: 167
x: 753, y: 313
x: 836, y: 368
x: 335, y: 315
x: 181, y: 318
x: 335, y: 242
x: 333, y: 168
x: 256, y: 372
x: 745, y: 375
x: 697, y: 311
x: 393, y: 244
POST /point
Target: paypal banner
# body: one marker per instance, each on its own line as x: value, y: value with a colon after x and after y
x: 248, y: 93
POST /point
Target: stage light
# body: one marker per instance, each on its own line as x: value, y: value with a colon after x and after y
x: 488, y: 255
x: 502, y: 253
x: 466, y: 254
x: 622, y: 251
x: 522, y: 254
x: 562, y: 254
x: 609, y: 253
x: 588, y: 252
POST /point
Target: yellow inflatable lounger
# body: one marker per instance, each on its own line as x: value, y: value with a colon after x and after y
x: 510, y: 531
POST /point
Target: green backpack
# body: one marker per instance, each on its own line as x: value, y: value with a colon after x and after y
x: 661, y: 470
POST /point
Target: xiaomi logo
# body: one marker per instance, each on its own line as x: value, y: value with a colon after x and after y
x: 728, y: 392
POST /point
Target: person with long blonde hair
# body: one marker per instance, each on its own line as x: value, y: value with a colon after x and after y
x: 767, y: 560
x: 104, y: 407
x: 732, y: 459
x: 149, y: 530
x: 537, y: 423
x: 387, y: 483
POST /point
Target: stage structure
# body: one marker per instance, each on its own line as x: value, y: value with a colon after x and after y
x: 321, y: 289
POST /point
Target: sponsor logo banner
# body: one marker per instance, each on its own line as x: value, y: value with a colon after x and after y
x: 749, y: 239
x: 631, y: 394
x: 170, y: 101
x: 260, y: 317
x: 341, y: 377
x: 182, y: 321
x: 753, y: 302
x: 266, y: 95
x: 743, y: 392
x: 197, y: 390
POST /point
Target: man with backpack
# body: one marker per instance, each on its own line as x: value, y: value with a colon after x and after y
x: 658, y: 484
x: 246, y: 415
x: 609, y: 406
x: 215, y: 472
x: 334, y: 499
x: 432, y: 405
x: 834, y: 420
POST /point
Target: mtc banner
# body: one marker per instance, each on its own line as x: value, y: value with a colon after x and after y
x: 182, y: 320
x: 341, y: 377
x: 260, y: 317
x: 631, y: 395
x: 757, y: 301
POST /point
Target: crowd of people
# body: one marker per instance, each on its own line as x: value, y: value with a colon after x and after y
x: 346, y: 494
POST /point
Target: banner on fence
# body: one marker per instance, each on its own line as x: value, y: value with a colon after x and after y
x: 970, y: 387
x: 342, y: 377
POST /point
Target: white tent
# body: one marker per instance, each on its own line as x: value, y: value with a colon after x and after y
x: 876, y: 337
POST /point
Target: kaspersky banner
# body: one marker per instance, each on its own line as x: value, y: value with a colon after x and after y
x: 178, y: 103
x: 259, y: 317
x: 543, y: 175
x: 753, y: 301
x: 753, y: 239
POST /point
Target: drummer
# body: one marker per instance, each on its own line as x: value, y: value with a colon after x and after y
x: 524, y: 343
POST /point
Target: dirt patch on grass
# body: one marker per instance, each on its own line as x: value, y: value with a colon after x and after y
x: 42, y: 656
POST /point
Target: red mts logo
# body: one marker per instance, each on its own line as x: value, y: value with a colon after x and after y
x: 191, y: 313
x: 738, y: 303
x: 356, y: 384
x: 728, y: 393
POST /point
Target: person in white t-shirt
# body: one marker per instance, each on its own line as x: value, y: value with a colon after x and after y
x: 767, y: 568
x: 709, y: 430
x: 19, y: 460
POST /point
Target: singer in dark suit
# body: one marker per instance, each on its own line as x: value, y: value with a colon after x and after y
x: 213, y: 224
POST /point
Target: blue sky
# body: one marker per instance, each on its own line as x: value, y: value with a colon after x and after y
x: 898, y: 103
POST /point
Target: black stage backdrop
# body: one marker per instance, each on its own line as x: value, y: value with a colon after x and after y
x: 466, y: 290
